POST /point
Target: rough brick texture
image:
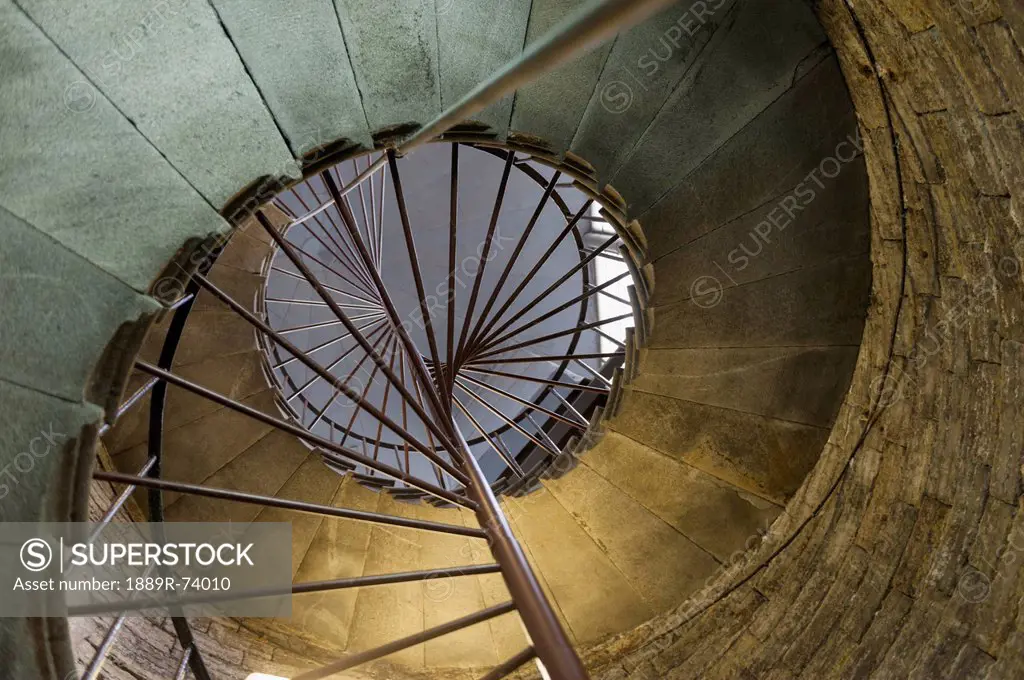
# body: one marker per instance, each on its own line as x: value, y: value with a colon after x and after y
x: 902, y: 554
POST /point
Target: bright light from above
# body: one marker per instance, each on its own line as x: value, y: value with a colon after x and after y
x: 264, y: 676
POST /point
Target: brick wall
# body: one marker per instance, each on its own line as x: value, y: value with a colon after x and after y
x: 902, y: 555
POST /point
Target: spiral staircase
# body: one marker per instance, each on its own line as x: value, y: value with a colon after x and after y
x: 218, y: 231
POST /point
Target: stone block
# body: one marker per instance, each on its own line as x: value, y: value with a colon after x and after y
x: 323, y: 104
x: 755, y: 63
x: 394, y: 55
x: 175, y: 73
x: 551, y: 106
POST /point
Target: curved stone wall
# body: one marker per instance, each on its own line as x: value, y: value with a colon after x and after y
x: 902, y: 553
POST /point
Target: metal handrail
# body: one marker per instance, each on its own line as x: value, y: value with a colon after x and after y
x: 576, y: 35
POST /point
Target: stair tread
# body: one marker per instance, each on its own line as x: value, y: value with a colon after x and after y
x: 394, y: 611
x: 659, y: 562
x: 765, y: 456
x: 324, y: 103
x: 718, y: 517
x: 207, y: 333
x: 187, y: 71
x: 196, y: 450
x: 394, y: 56
x: 446, y: 599
x: 59, y: 311
x: 237, y: 376
x: 743, y: 173
x: 592, y: 595
x: 498, y: 28
x: 312, y: 482
x: 552, y: 106
x: 263, y: 469
x: 101, y: 155
x: 798, y: 384
x: 338, y: 550
x: 721, y: 94
x: 643, y: 69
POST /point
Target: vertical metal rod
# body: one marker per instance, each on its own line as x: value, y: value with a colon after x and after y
x: 453, y: 221
x: 547, y: 291
x: 340, y: 254
x: 405, y: 418
x: 183, y: 666
x: 357, y: 659
x: 513, y: 424
x: 355, y: 283
x: 380, y: 213
x: 344, y: 200
x: 388, y: 348
x: 484, y: 257
x: 570, y: 225
x: 339, y: 200
x: 592, y: 372
x: 542, y: 381
x: 554, y: 647
x: 417, y: 366
x: 351, y: 374
x: 319, y: 370
x: 318, y: 287
x: 430, y: 438
x: 511, y: 665
x: 534, y: 323
x: 617, y: 343
x: 414, y: 260
x: 92, y: 672
x: 131, y: 401
x: 515, y: 254
x: 327, y: 343
x: 371, y: 236
x: 570, y: 408
x: 548, y: 357
x: 119, y: 502
x: 524, y: 402
x: 543, y: 433
x: 384, y: 406
x: 339, y: 452
x: 509, y: 461
x: 339, y: 291
x: 593, y: 325
x: 373, y: 216
x: 330, y: 367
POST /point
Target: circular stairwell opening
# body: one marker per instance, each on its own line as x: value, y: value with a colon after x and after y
x: 513, y: 288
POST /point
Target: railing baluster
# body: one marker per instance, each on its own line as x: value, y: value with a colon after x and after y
x: 131, y: 401
x: 92, y: 671
x: 548, y: 190
x: 186, y: 655
x: 354, y: 660
x: 542, y: 381
x: 511, y: 665
x: 453, y: 222
x: 302, y: 433
x: 393, y: 314
x: 512, y: 423
x: 547, y: 291
x: 525, y: 402
x: 509, y: 460
x: 517, y: 291
x: 286, y: 504
x: 484, y: 257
